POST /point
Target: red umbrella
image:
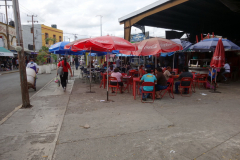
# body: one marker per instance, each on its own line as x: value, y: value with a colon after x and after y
x: 85, y: 44
x: 104, y: 43
x: 154, y: 46
x: 218, y: 59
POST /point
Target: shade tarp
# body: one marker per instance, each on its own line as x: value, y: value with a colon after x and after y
x: 5, y: 52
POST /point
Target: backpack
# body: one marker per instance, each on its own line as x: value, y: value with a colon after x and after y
x: 60, y: 69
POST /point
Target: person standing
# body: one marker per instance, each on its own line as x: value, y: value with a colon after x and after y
x: 17, y: 63
x: 76, y: 62
x: 35, y: 67
x: 227, y: 70
x: 64, y: 76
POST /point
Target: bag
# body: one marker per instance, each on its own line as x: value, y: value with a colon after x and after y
x: 56, y: 80
x: 60, y: 70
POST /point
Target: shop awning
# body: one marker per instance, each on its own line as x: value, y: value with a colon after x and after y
x: 5, y: 52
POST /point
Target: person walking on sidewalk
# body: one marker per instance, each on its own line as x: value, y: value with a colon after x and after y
x: 76, y: 62
x: 35, y: 67
x: 64, y: 76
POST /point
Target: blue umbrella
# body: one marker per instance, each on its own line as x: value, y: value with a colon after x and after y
x: 58, y: 48
x: 207, y: 45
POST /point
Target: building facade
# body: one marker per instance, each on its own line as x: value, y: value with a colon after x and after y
x: 51, y: 35
x: 3, y: 35
x: 44, y: 36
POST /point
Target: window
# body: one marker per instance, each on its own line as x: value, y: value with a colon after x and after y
x: 60, y: 38
x: 54, y: 39
x: 46, y: 36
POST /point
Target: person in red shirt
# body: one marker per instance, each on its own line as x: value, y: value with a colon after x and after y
x: 141, y: 71
x: 64, y: 77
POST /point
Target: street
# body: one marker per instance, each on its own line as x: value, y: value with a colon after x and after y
x: 10, y: 91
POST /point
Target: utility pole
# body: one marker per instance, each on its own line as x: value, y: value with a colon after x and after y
x: 33, y: 30
x: 21, y: 57
x: 100, y: 23
x: 75, y: 37
x: 8, y: 46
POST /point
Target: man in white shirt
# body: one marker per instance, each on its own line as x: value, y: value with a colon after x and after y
x: 227, y: 70
x: 167, y: 73
x: 35, y: 67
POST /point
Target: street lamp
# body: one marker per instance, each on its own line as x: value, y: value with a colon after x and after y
x: 100, y: 23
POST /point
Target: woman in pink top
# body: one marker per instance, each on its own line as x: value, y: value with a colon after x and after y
x: 117, y: 75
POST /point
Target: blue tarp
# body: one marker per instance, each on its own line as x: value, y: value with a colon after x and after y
x: 207, y: 45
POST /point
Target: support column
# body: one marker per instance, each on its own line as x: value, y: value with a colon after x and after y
x: 127, y: 30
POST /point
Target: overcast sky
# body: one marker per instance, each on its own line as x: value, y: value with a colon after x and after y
x: 79, y: 16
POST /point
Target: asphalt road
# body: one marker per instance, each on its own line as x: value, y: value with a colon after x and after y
x: 10, y: 91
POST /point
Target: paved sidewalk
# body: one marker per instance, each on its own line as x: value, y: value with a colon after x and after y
x: 203, y: 127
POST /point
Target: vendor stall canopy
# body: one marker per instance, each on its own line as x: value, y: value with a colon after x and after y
x: 190, y: 16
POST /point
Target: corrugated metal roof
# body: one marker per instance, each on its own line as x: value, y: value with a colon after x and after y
x: 153, y: 5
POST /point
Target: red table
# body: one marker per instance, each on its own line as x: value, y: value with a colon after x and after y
x: 135, y: 80
x: 127, y: 78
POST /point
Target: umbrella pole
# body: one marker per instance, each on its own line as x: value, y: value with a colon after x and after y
x: 107, y: 74
x: 90, y: 74
x: 173, y: 60
x: 121, y: 62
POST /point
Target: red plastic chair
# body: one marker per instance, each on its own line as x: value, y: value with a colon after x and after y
x: 202, y: 79
x: 115, y: 88
x: 103, y: 81
x: 151, y: 92
x: 189, y: 87
x: 169, y: 89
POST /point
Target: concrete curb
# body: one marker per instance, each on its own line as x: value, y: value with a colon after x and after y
x: 8, y: 72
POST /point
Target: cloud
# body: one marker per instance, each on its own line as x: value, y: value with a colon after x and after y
x: 80, y: 17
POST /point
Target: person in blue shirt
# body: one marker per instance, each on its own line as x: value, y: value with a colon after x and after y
x: 147, y: 78
x: 212, y: 73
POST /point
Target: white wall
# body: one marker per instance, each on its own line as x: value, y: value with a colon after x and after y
x: 28, y: 36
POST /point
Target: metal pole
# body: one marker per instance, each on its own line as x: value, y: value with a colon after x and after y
x: 8, y: 47
x: 33, y: 36
x: 22, y: 67
x: 90, y: 71
x: 100, y: 23
x: 107, y: 74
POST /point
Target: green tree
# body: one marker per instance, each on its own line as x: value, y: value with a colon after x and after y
x: 48, y: 40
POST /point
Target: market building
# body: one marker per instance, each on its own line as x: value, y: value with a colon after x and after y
x: 190, y: 16
x: 196, y: 19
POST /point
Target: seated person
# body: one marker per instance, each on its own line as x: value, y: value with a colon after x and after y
x: 91, y: 65
x: 147, y: 78
x: 105, y: 64
x: 183, y: 75
x: 111, y: 68
x: 212, y: 73
x: 167, y: 73
x: 141, y: 71
x: 117, y: 75
x: 227, y: 70
x: 161, y: 82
